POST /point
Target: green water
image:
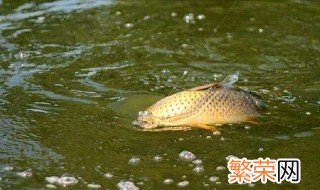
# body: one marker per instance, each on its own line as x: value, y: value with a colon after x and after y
x: 74, y: 74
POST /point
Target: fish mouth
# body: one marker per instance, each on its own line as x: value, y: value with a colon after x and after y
x: 144, y: 124
x: 145, y: 120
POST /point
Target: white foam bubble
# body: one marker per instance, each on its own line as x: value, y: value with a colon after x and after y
x: 230, y: 157
x: 94, y: 186
x: 220, y: 168
x: 184, y: 45
x: 147, y: 17
x: 189, y: 18
x: 158, y: 158
x: 127, y: 185
x: 173, y: 14
x: 251, y: 185
x: 25, y: 174
x: 7, y: 168
x: 213, y: 179
x: 50, y: 186
x: 128, y: 25
x: 197, y: 162
x: 187, y: 156
x: 201, y: 16
x: 206, y: 185
x: 183, y: 184
x: 198, y: 169
x: 167, y: 181
x: 108, y: 175
x: 216, y: 133
x: 64, y: 180
x: 134, y: 160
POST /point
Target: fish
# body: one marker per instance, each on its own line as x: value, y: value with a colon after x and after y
x: 203, y: 107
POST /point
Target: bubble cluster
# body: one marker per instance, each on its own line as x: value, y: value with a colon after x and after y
x: 64, y: 180
x: 24, y: 174
x: 189, y: 18
x: 287, y: 97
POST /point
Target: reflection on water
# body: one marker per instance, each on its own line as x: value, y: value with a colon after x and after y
x: 74, y: 74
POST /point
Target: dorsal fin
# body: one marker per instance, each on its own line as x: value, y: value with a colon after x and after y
x: 226, y: 83
x: 204, y: 87
x: 230, y: 80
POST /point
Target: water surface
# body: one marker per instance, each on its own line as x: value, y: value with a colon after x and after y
x: 74, y: 74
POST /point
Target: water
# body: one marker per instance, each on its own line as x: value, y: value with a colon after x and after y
x: 75, y: 74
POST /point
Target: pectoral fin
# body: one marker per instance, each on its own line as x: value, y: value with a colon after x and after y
x: 179, y: 128
x: 252, y: 120
x: 206, y: 127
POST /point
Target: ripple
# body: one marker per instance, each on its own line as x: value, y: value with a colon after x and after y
x: 304, y: 134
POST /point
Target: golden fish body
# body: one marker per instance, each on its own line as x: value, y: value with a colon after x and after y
x: 202, y: 106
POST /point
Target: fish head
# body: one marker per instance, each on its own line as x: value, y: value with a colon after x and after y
x: 146, y: 120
